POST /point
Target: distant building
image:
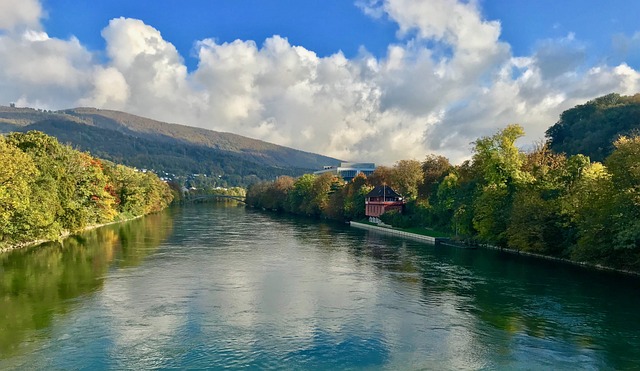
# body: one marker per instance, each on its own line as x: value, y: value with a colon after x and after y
x: 349, y: 170
x: 382, y: 199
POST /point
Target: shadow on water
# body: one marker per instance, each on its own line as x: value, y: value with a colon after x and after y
x: 39, y: 283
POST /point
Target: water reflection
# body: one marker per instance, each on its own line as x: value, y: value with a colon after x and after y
x: 236, y: 288
x: 39, y: 283
x: 537, y: 310
x: 525, y: 310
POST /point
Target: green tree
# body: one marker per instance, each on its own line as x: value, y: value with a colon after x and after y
x: 499, y: 163
x: 407, y: 176
x: 624, y: 166
x: 301, y: 195
x: 354, y: 197
x: 591, y: 128
x: 592, y: 206
x: 537, y: 223
x: 17, y: 175
x: 435, y: 169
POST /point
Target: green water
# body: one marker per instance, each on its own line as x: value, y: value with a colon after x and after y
x: 214, y: 287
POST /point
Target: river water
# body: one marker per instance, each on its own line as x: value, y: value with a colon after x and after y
x: 209, y: 286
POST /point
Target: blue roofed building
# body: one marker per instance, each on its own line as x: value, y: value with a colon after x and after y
x: 349, y: 170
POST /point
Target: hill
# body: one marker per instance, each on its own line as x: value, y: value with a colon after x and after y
x: 175, y: 149
x: 591, y: 128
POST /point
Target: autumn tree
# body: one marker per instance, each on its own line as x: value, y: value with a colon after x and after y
x: 381, y: 175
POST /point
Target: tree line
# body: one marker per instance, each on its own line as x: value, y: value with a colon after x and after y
x: 538, y: 201
x: 48, y: 189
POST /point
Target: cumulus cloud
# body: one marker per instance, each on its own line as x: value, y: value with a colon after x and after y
x: 20, y: 14
x: 42, y: 71
x: 447, y: 80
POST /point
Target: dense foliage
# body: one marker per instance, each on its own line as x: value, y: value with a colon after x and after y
x: 591, y: 128
x: 322, y: 196
x: 540, y: 201
x: 47, y: 189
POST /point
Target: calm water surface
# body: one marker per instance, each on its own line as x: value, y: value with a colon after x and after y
x: 211, y: 287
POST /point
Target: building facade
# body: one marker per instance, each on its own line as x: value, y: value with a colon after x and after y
x: 382, y: 199
x: 349, y: 170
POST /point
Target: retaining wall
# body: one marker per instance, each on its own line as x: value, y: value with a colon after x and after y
x: 395, y: 232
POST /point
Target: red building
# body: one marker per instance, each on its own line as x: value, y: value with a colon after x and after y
x: 382, y: 199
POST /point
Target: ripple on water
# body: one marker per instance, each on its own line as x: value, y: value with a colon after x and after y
x: 232, y: 288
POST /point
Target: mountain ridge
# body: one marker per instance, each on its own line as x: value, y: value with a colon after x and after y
x: 175, y: 148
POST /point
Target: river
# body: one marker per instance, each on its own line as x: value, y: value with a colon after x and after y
x: 214, y: 286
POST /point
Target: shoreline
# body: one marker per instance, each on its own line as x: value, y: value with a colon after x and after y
x: 598, y: 267
x: 62, y: 237
x: 439, y: 240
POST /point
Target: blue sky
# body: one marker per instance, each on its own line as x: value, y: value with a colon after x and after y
x: 328, y: 26
x: 362, y: 80
x: 322, y: 26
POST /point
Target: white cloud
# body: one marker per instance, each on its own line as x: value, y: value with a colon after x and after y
x: 110, y: 89
x: 20, y: 14
x: 448, y: 80
x: 43, y: 71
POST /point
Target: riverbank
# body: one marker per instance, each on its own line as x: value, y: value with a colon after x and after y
x: 598, y: 267
x: 445, y: 240
x: 23, y: 245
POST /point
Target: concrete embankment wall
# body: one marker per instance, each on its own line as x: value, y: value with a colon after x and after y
x: 395, y: 232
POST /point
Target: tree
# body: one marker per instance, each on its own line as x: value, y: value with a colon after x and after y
x: 434, y: 169
x: 17, y: 175
x: 47, y: 188
x: 407, y: 176
x: 300, y: 196
x: 537, y: 222
x: 624, y: 166
x: 499, y: 162
x: 592, y: 206
x: 381, y: 175
x: 354, y: 197
x: 591, y: 128
x: 323, y: 185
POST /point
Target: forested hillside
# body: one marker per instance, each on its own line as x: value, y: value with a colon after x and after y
x: 591, y: 128
x: 48, y: 189
x: 176, y: 149
x: 177, y: 158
